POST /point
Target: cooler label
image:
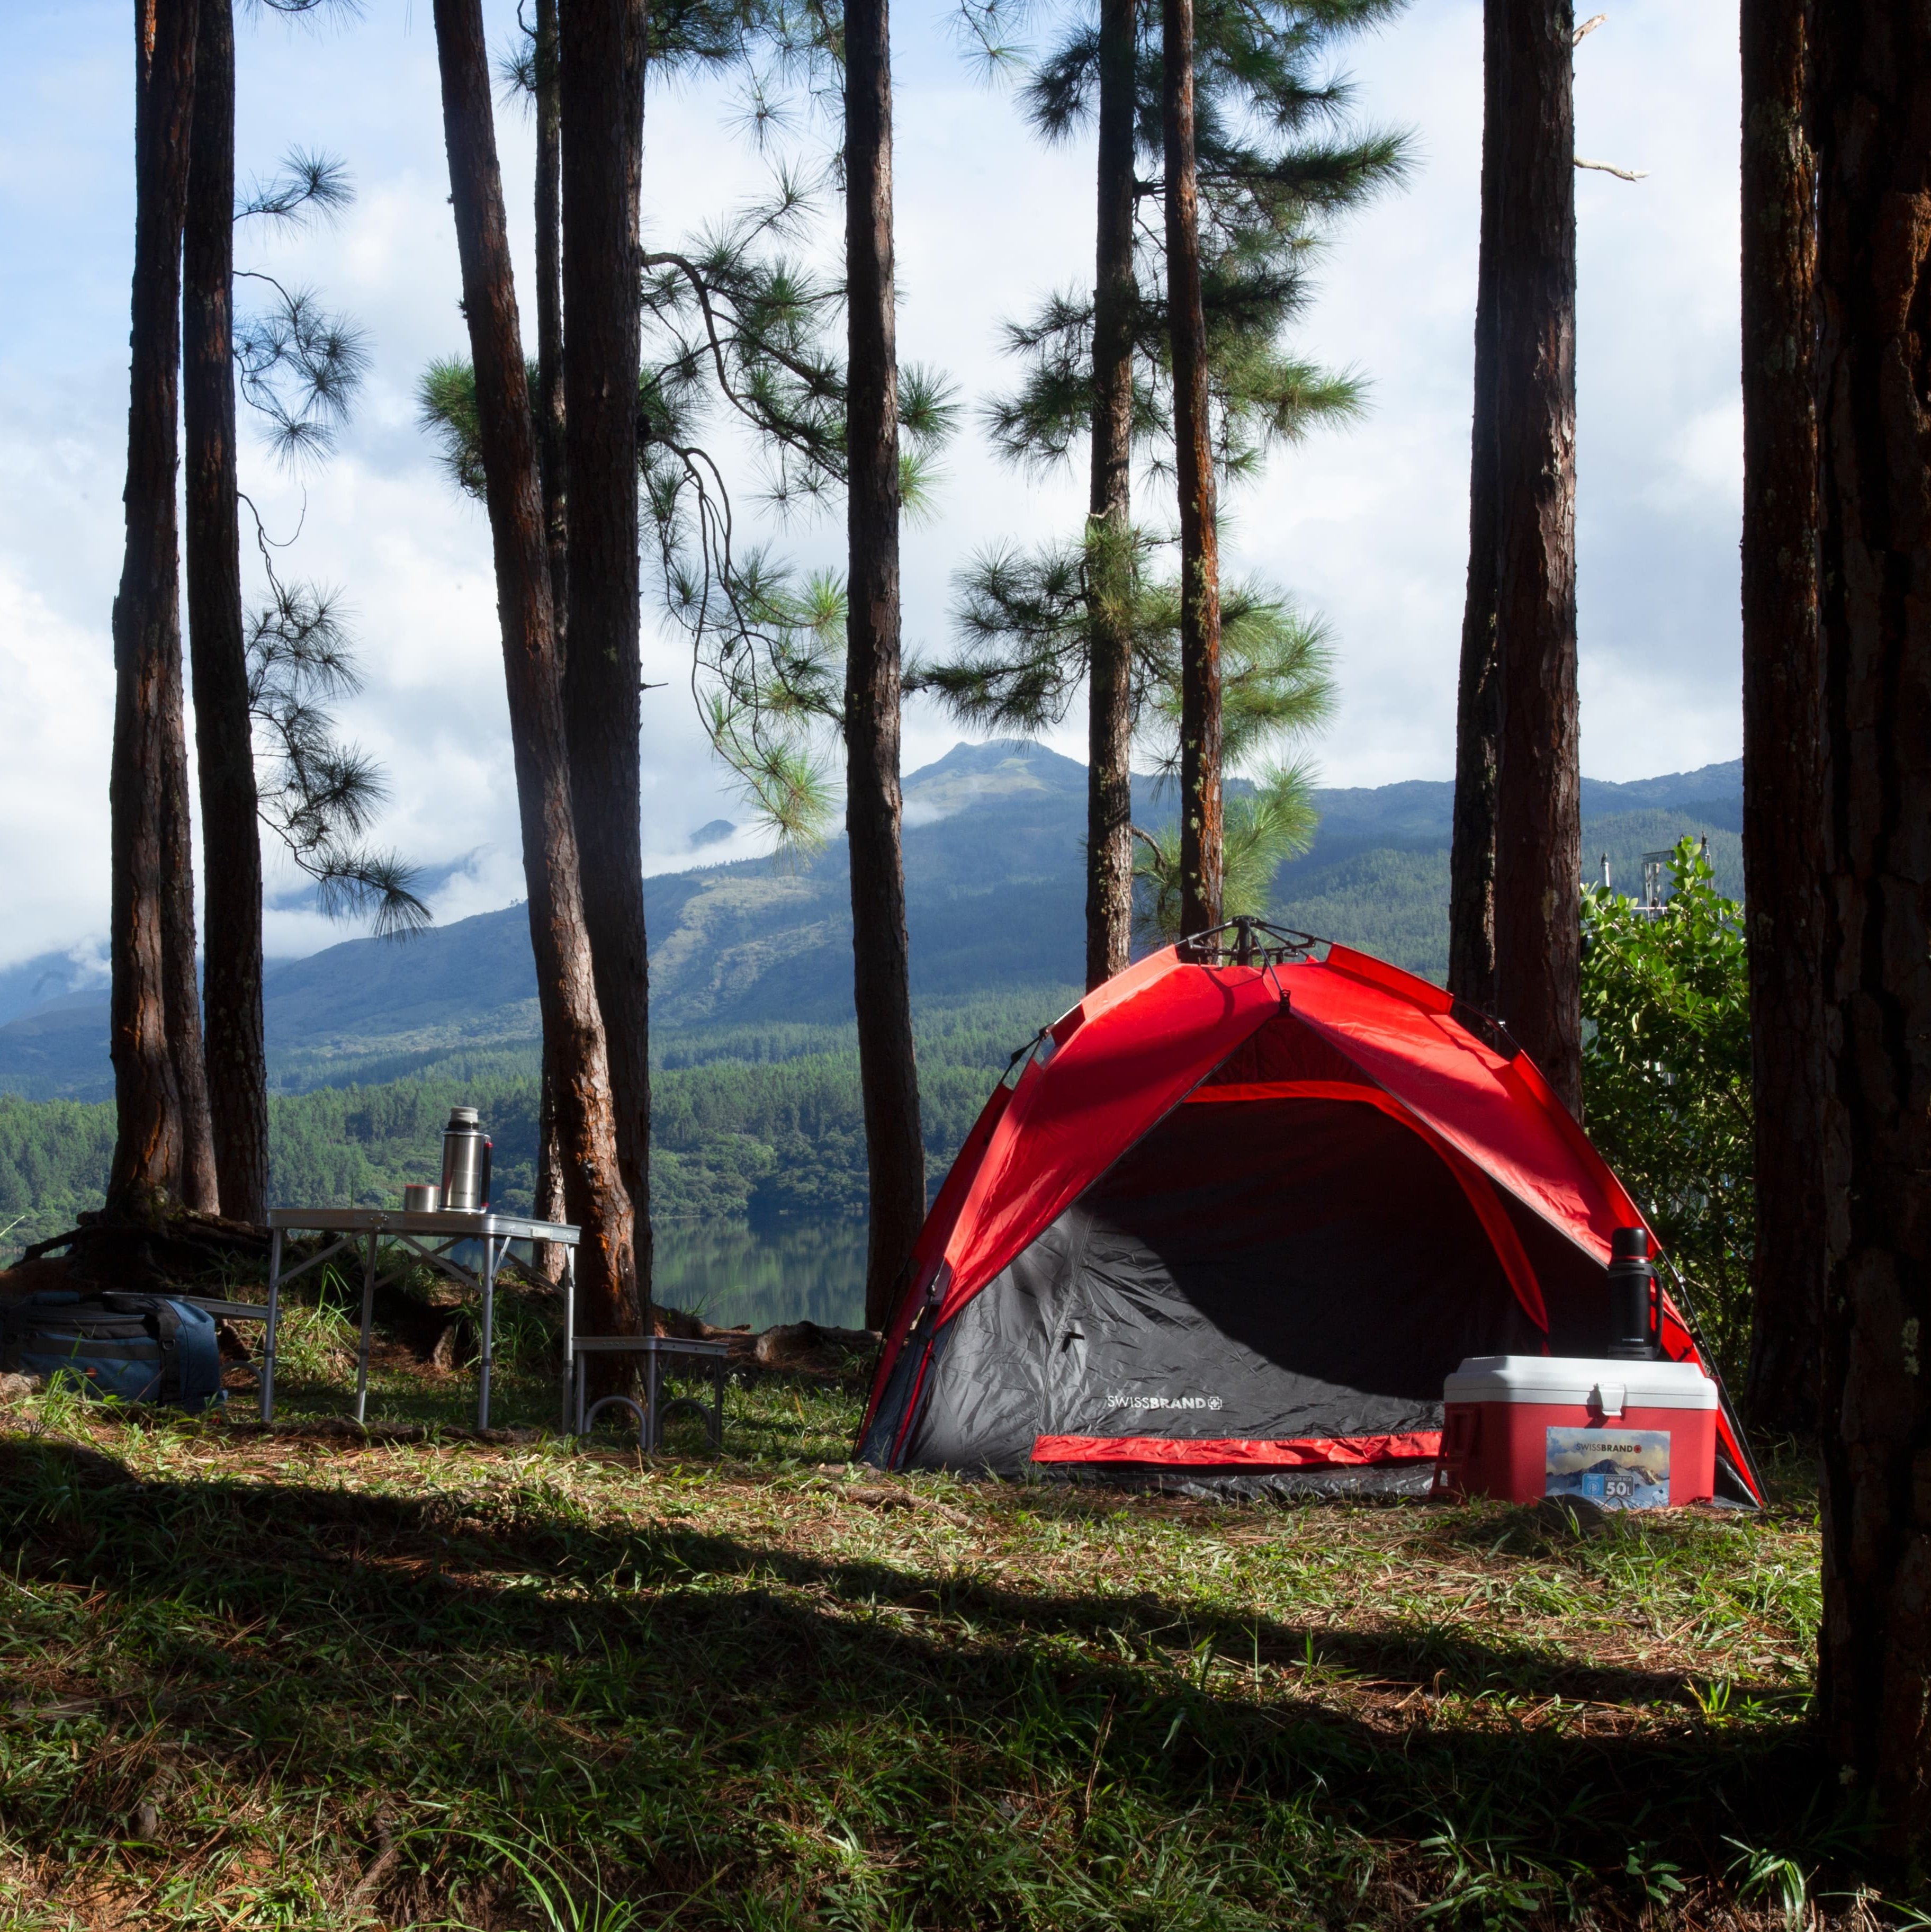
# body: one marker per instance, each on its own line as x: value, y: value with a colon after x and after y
x: 1617, y: 1469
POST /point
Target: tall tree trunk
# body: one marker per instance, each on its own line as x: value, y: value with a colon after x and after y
x: 1873, y: 96
x: 550, y: 1205
x: 565, y: 980
x: 601, y: 94
x: 1538, y: 811
x: 1471, y: 865
x: 198, y: 1187
x: 1201, y: 852
x: 145, y: 1173
x: 552, y: 458
x: 881, y: 968
x: 1783, y: 825
x: 1109, y: 810
x: 233, y: 1048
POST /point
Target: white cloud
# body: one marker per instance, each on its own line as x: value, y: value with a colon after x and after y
x: 56, y: 727
x: 1370, y: 528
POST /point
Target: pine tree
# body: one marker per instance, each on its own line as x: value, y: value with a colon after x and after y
x: 276, y: 671
x: 544, y: 86
x: 1783, y: 817
x: 1201, y: 856
x: 1538, y: 783
x: 881, y: 987
x: 1478, y: 714
x: 600, y: 109
x: 505, y: 443
x: 234, y: 1043
x: 1873, y: 103
x: 1103, y: 366
x: 149, y: 1148
x: 1515, y: 865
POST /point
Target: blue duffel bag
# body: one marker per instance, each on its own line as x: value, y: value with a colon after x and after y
x: 140, y: 1347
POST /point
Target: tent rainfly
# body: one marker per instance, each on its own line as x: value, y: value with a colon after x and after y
x: 1244, y: 1210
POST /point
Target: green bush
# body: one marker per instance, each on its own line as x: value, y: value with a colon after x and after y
x: 1666, y: 1080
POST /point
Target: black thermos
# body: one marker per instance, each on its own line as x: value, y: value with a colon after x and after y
x: 1635, y: 1309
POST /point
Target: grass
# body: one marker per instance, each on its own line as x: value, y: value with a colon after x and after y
x: 315, y: 1676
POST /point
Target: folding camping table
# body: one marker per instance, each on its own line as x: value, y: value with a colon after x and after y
x: 430, y: 1238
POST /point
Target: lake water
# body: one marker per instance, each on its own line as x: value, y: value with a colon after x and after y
x: 789, y: 1271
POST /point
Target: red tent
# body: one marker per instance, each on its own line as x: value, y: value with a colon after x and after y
x: 1248, y: 1216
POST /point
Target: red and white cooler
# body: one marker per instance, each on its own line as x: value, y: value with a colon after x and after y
x: 1622, y: 1435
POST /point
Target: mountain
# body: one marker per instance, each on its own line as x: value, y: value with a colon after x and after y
x: 994, y: 893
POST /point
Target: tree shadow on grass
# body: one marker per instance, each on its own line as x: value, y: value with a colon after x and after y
x: 694, y: 1705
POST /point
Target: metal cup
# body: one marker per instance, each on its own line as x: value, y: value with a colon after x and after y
x: 422, y: 1197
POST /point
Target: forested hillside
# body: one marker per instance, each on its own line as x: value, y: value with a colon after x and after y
x: 994, y: 895
x: 756, y: 1108
x: 750, y: 1124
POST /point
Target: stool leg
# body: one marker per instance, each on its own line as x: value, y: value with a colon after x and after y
x: 268, y: 1339
x: 368, y: 1320
x: 490, y: 1251
x: 569, y: 1330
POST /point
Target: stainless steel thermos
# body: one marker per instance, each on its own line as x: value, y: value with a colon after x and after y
x: 465, y: 1163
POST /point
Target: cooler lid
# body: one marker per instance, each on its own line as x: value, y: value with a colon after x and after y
x: 1582, y: 1382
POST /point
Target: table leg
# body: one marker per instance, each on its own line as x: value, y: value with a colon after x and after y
x: 717, y: 1406
x: 268, y: 1389
x: 491, y: 1249
x: 653, y: 1389
x: 569, y: 1331
x: 368, y: 1321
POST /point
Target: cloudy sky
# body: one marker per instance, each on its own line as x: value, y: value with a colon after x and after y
x: 1367, y: 527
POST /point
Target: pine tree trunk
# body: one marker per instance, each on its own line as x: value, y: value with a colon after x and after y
x: 198, y: 1187
x: 551, y: 456
x: 565, y: 981
x: 1783, y: 821
x: 1109, y: 813
x: 881, y: 968
x: 1200, y: 851
x: 1471, y: 865
x: 1873, y: 95
x: 1538, y: 811
x: 549, y: 1204
x: 601, y: 95
x: 146, y: 1173
x: 234, y: 1051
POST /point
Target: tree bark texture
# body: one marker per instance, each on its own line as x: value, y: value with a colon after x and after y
x: 198, y: 1187
x: 601, y: 93
x: 233, y: 1048
x: 1109, y: 827
x: 549, y: 1204
x: 1783, y: 822
x: 145, y: 1173
x: 551, y: 458
x: 1200, y: 846
x: 1538, y: 809
x: 881, y: 965
x: 565, y: 980
x: 1873, y: 133
x: 1471, y: 867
